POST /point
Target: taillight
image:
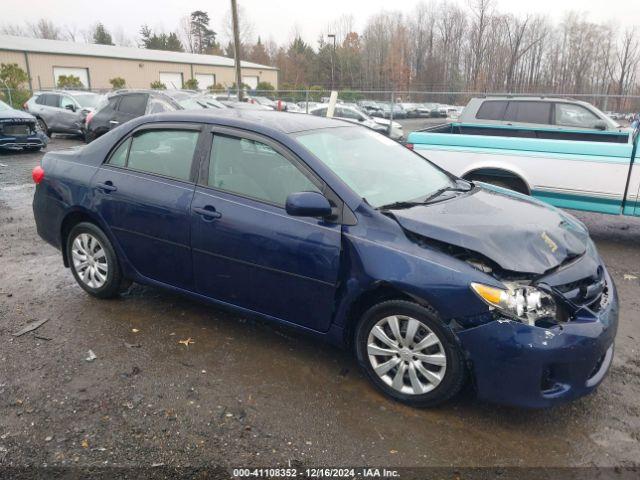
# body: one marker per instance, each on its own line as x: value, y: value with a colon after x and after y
x: 37, y: 174
x: 88, y: 118
x: 409, y: 146
x: 24, y: 106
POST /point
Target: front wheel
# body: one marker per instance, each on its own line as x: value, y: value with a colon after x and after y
x: 93, y: 261
x: 409, y: 354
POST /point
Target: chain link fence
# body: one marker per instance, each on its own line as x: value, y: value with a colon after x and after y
x: 382, y: 103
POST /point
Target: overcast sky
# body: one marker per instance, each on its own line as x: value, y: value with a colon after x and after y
x: 275, y: 19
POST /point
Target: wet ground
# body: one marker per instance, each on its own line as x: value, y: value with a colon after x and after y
x: 243, y: 393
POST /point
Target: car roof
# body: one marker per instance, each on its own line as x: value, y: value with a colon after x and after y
x: 66, y: 92
x: 258, y: 120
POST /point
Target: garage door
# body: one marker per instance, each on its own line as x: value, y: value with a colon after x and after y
x: 171, y: 80
x: 251, y: 81
x: 81, y: 73
x: 205, y: 80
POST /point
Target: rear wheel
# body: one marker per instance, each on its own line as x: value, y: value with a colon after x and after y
x: 43, y: 126
x: 93, y: 261
x: 409, y: 354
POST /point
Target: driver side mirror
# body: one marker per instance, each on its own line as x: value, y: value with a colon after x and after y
x: 70, y: 106
x: 600, y: 126
x: 308, y: 204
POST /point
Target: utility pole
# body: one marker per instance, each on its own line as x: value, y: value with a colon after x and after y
x: 236, y: 47
x: 333, y: 55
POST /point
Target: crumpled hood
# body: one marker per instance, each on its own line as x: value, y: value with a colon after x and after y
x: 516, y: 232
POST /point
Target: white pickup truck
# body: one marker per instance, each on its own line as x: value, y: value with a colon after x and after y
x: 562, y: 151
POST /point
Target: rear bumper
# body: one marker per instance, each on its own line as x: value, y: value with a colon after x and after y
x: 520, y: 365
x: 16, y: 142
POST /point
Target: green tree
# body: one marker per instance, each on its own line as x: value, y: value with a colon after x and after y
x: 69, y: 81
x: 101, y: 35
x: 14, y: 78
x: 160, y: 41
x: 191, y: 84
x: 158, y: 85
x: 315, y: 93
x: 117, y: 83
x: 258, y: 54
x: 264, y: 86
x: 204, y: 39
x: 217, y: 88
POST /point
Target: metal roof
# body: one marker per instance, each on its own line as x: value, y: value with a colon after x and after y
x: 60, y: 47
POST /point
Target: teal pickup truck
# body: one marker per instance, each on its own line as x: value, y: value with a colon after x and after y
x: 561, y: 151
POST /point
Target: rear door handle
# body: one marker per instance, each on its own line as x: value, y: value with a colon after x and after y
x: 113, y: 123
x: 107, y: 186
x: 208, y: 212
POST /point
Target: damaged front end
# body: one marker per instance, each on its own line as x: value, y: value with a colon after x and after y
x: 548, y: 337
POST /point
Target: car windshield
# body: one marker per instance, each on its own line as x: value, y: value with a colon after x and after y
x: 88, y: 100
x: 191, y: 103
x: 4, y: 106
x: 377, y: 168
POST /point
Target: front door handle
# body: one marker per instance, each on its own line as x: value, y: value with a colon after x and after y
x: 208, y: 212
x: 107, y: 186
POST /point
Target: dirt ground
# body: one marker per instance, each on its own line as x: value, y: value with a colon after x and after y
x: 246, y: 394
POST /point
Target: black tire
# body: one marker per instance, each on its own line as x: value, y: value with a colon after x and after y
x: 44, y: 127
x: 454, y: 373
x: 115, y: 282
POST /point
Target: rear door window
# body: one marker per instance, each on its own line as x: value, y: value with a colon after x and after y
x: 571, y: 115
x: 159, y: 105
x: 491, y: 110
x: 134, y: 104
x: 529, y: 112
x: 163, y: 152
x: 51, y: 100
x: 119, y: 156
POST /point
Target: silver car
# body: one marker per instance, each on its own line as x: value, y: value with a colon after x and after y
x: 355, y: 115
x: 62, y: 111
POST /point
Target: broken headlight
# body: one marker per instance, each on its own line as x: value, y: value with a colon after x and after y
x: 519, y: 302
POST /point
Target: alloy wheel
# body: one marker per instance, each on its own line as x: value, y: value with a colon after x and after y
x: 406, y: 354
x: 90, y: 260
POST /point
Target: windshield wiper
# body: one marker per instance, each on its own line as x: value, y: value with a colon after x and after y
x: 399, y: 205
x: 430, y: 197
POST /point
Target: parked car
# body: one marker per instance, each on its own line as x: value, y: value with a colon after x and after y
x: 347, y: 235
x: 411, y: 109
x: 570, y: 160
x: 370, y: 107
x: 311, y: 105
x: 62, y: 111
x: 355, y: 115
x: 125, y: 105
x: 245, y: 105
x: 385, y: 111
x: 555, y: 113
x: 19, y: 130
x: 264, y: 101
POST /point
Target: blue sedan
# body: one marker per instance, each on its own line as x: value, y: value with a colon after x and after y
x: 340, y: 232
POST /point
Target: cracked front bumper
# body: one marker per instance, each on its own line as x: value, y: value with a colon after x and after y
x: 521, y: 365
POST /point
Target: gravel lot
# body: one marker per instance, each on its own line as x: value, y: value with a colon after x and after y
x: 245, y: 393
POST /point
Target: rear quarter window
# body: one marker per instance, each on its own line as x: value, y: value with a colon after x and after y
x: 529, y: 112
x: 133, y: 104
x: 492, y: 110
